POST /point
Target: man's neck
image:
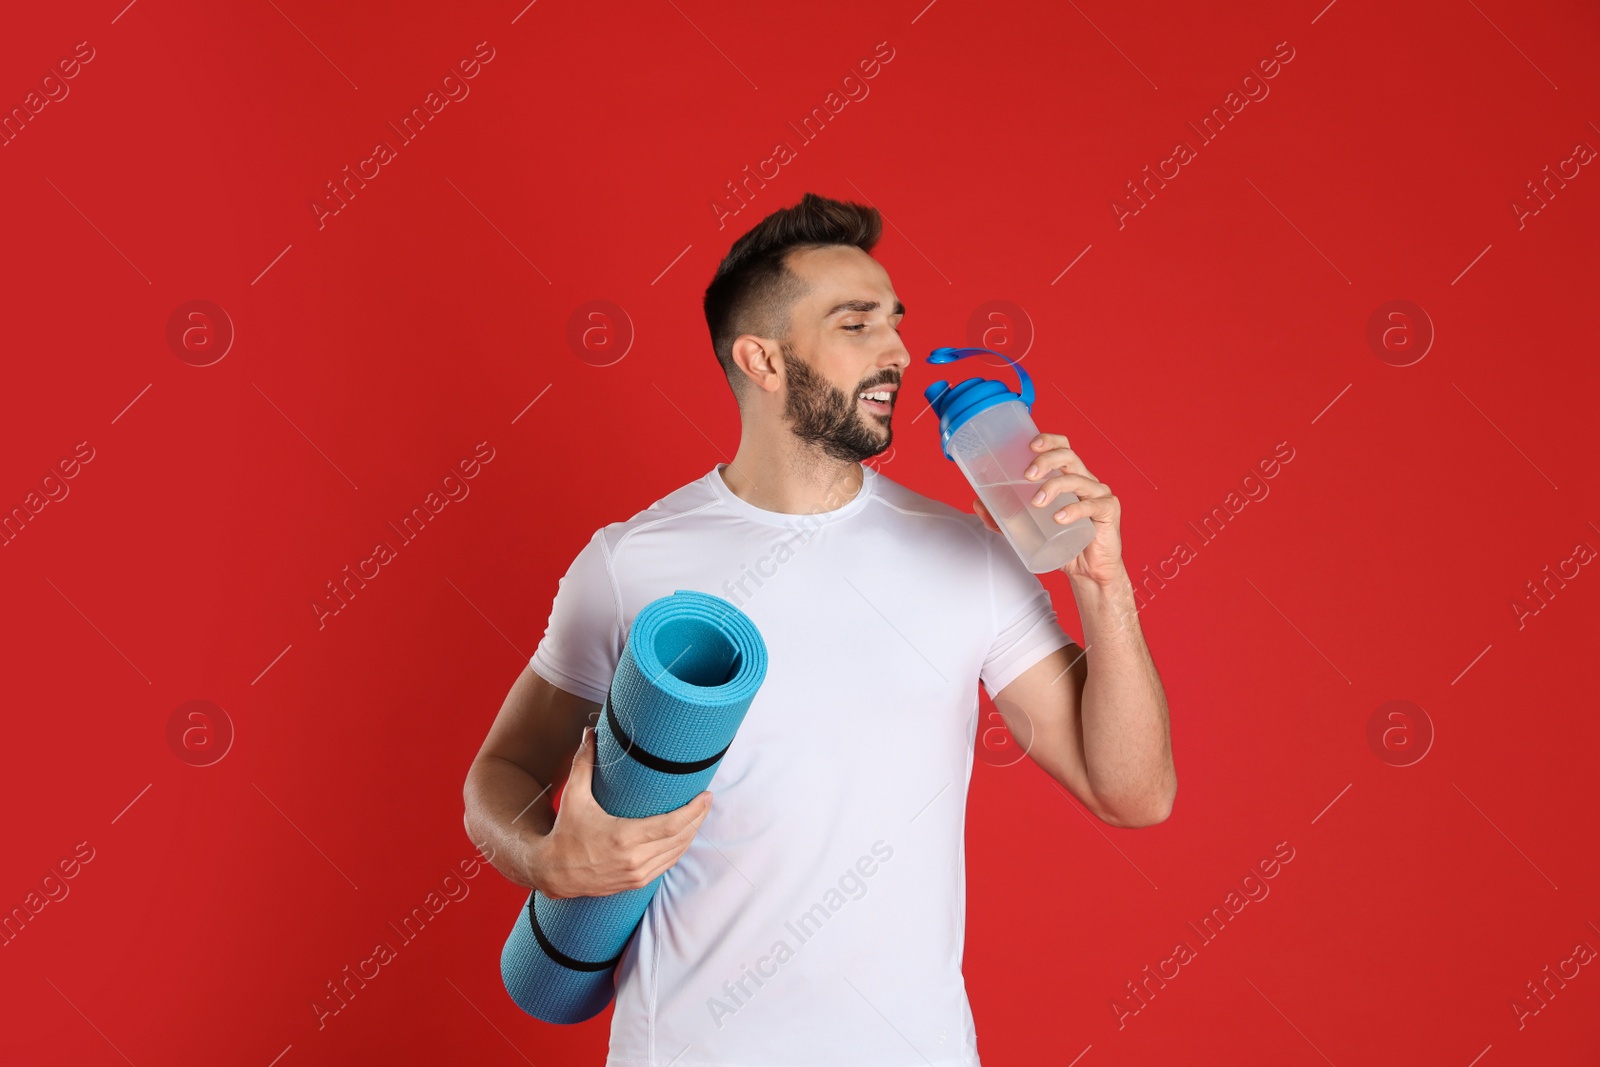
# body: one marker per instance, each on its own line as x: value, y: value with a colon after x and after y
x: 792, y: 485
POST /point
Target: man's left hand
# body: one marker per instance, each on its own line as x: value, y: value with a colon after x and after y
x: 1057, y: 469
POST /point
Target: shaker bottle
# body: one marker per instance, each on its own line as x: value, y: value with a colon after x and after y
x: 986, y: 429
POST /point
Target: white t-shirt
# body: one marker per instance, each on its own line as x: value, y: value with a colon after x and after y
x: 818, y: 917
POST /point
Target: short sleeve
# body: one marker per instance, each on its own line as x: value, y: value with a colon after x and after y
x: 582, y: 642
x: 1026, y: 628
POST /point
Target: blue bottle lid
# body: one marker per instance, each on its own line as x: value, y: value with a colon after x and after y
x: 955, y: 406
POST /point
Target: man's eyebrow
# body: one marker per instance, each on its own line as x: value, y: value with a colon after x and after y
x: 862, y: 305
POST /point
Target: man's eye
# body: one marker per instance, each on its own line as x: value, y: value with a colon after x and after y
x: 857, y: 326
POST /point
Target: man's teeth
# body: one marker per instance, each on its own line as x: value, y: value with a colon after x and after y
x: 882, y: 398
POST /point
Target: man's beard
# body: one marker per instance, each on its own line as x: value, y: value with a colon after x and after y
x: 821, y: 414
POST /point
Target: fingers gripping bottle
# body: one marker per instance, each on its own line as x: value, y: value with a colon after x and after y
x: 987, y: 429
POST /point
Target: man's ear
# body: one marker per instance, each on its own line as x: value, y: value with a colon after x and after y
x: 758, y: 359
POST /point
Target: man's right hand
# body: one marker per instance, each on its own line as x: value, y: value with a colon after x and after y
x: 588, y: 853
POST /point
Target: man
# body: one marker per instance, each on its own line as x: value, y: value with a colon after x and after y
x: 816, y: 913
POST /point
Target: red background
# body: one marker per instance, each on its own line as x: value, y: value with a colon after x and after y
x: 374, y: 352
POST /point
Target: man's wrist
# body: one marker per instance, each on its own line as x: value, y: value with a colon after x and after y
x: 1116, y: 582
x: 1109, y: 601
x: 531, y: 850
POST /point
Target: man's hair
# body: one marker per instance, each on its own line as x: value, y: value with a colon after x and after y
x: 753, y: 289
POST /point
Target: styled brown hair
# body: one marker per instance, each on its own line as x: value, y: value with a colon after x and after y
x: 753, y: 289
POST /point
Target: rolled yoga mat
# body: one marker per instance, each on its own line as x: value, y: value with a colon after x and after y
x: 689, y: 670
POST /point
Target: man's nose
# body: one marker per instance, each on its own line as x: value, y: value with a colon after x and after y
x: 902, y: 358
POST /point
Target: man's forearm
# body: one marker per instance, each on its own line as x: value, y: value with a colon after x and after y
x: 1126, y: 738
x: 508, y: 810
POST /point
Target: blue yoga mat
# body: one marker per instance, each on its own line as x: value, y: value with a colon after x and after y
x: 690, y: 668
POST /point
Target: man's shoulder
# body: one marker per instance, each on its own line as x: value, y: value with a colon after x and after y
x: 933, y: 519
x: 687, y: 500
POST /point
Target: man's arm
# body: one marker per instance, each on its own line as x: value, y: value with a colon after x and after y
x: 1096, y: 719
x: 537, y: 742
x: 510, y: 787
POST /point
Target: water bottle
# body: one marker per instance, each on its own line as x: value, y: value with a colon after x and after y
x: 987, y: 429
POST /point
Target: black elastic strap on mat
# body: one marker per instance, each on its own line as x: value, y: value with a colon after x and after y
x: 650, y: 759
x: 561, y: 957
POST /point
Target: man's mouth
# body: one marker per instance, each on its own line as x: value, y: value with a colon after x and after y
x: 877, y: 401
